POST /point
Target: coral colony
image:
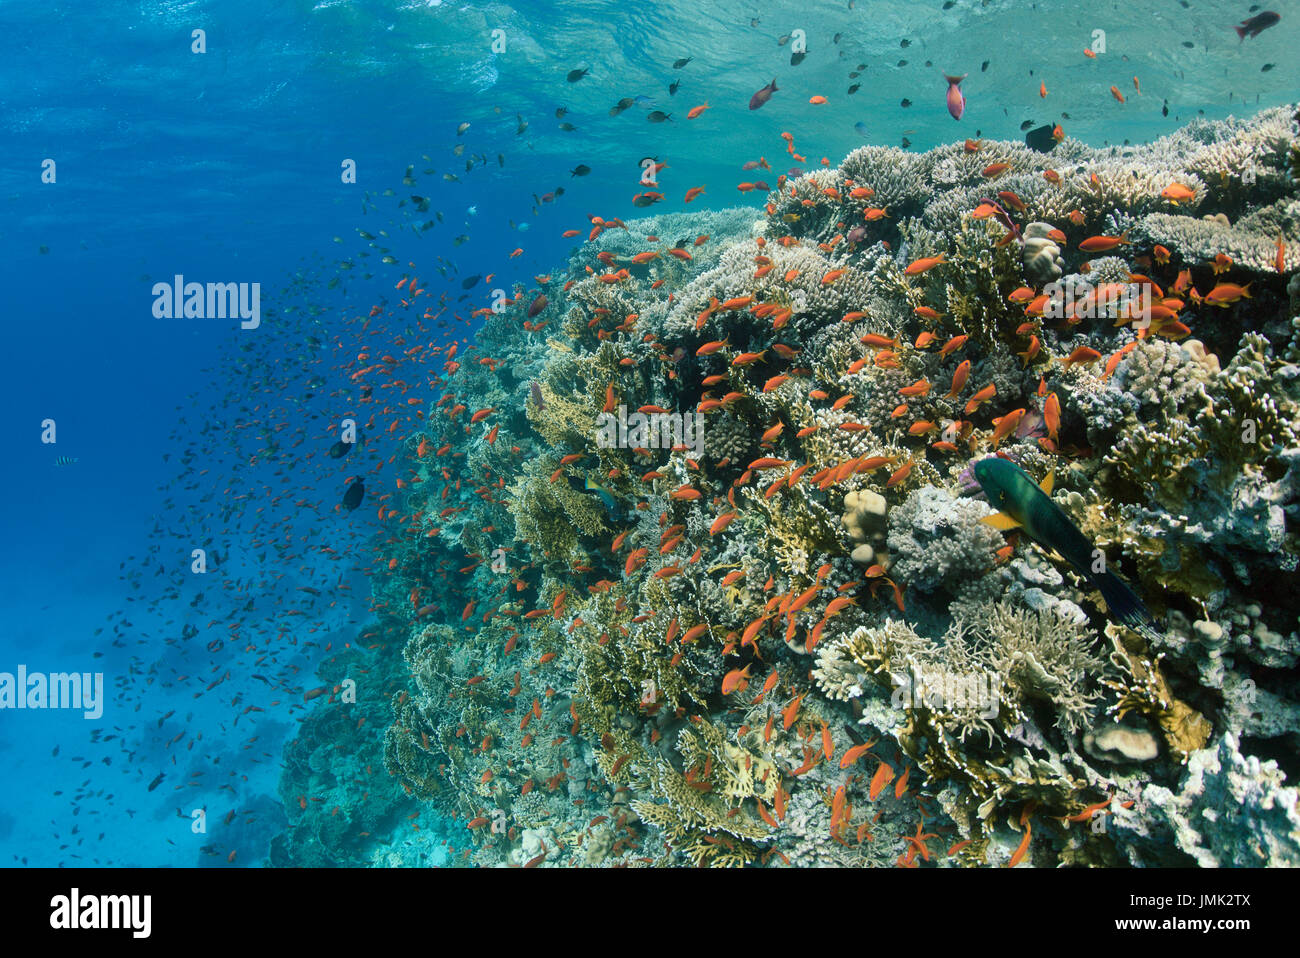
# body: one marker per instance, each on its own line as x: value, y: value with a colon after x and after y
x: 736, y: 594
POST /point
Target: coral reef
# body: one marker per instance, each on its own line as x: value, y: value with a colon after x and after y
x: 772, y: 627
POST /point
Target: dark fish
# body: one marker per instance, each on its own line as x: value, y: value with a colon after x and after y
x: 904, y: 43
x: 905, y: 102
x: 352, y: 498
x: 762, y: 96
x: 949, y: 4
x: 1164, y: 110
x: 1026, y: 125
x: 582, y: 169
x: 537, y: 396
x: 678, y: 64
x: 340, y: 449
x: 1257, y: 24
x: 469, y: 283
x: 1266, y: 67
x: 798, y: 58
x: 576, y: 75
x: 537, y: 305
x: 560, y: 111
x: 855, y: 88
x: 501, y: 159
x: 672, y: 87
x: 658, y: 116
x: 1022, y: 504
x: 567, y: 127
x: 621, y: 105
x: 984, y: 66
x: 906, y: 142
x: 1189, y: 44
x: 1041, y: 139
x: 157, y: 781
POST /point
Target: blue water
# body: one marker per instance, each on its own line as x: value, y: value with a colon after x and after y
x: 225, y: 166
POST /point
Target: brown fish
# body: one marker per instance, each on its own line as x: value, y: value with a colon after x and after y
x: 762, y: 96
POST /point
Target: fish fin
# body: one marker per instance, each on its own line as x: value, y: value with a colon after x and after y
x: 1000, y: 520
x: 1048, y: 482
x: 1123, y: 604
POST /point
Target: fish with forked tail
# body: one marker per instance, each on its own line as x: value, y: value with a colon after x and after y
x: 1023, y: 505
x: 762, y: 96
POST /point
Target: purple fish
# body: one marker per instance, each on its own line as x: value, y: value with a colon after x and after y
x: 956, y: 99
x: 537, y: 306
x: 537, y: 396
x: 762, y: 96
x: 1003, y: 217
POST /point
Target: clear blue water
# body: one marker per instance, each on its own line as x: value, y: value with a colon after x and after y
x: 225, y: 166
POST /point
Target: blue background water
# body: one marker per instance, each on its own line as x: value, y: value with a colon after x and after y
x: 224, y: 166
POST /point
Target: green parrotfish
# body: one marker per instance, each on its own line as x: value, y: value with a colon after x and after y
x: 1024, y: 505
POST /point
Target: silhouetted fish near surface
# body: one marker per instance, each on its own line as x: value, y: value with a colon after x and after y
x: 762, y: 96
x: 356, y: 492
x: 340, y: 449
x: 1257, y: 24
x: 576, y: 75
x: 469, y: 283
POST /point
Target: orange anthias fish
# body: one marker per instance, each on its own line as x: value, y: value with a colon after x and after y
x: 916, y: 267
x: 1099, y: 244
x: 884, y: 775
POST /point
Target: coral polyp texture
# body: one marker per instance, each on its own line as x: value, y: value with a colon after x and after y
x: 699, y: 571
